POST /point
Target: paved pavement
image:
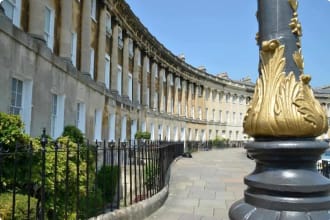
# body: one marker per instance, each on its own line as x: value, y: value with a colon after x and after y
x: 205, y: 186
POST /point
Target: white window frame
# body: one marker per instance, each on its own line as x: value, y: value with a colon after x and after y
x: 133, y: 129
x: 138, y: 92
x: 160, y: 132
x: 92, y: 60
x: 107, y: 69
x: 130, y: 48
x: 176, y: 136
x: 183, y: 134
x: 156, y: 100
x: 152, y: 132
x: 139, y: 60
x: 206, y: 114
x: 49, y: 34
x: 112, y: 127
x: 74, y: 48
x: 93, y: 9
x: 25, y: 105
x: 130, y: 86
x: 156, y: 70
x: 220, y: 116
x: 143, y: 126
x: 15, y: 16
x: 81, y: 117
x: 123, y: 136
x: 16, y: 104
x: 120, y: 38
x: 148, y: 65
x: 98, y: 125
x: 108, y: 26
x: 234, y: 117
x: 57, y: 117
x: 119, y: 79
x: 148, y: 96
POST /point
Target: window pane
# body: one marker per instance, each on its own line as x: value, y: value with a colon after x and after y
x: 47, y: 20
x: 54, y: 109
x: 9, y: 8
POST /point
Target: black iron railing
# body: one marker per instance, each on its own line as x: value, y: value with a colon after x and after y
x: 63, y: 180
x: 323, y: 167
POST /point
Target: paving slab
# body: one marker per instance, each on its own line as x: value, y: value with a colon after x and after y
x: 205, y: 186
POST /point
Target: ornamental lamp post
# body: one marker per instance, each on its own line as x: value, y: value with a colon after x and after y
x: 284, y: 118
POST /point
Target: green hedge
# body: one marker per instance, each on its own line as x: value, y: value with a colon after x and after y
x: 21, y: 210
x: 142, y: 135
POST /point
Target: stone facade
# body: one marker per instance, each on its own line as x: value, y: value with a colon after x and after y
x: 93, y: 64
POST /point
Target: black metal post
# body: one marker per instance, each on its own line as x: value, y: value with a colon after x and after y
x: 135, y: 175
x: 30, y: 179
x: 78, y: 183
x: 87, y: 177
x: 130, y: 175
x: 55, y: 181
x: 14, y: 183
x: 125, y: 179
x: 67, y: 171
x: 119, y: 175
x: 43, y: 141
x: 112, y: 186
x: 137, y: 144
x: 141, y: 147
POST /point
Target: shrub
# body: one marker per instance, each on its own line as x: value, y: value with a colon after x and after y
x: 143, y: 135
x: 11, y: 131
x: 218, y: 142
x: 150, y: 173
x: 74, y: 134
x: 107, y: 177
x: 21, y: 209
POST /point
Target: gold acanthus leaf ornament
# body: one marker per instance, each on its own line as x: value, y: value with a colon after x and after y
x: 296, y: 26
x: 294, y: 4
x: 282, y: 106
x: 299, y: 60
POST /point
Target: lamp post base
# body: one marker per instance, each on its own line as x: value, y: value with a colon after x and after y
x: 241, y: 210
x: 285, y: 183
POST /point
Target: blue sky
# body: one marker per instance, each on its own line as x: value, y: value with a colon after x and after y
x: 219, y: 34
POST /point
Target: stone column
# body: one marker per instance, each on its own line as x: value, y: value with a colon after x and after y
x: 114, y: 59
x: 154, y: 68
x: 144, y: 80
x: 197, y: 101
x: 85, y: 37
x: 169, y: 91
x: 176, y: 96
x: 66, y: 28
x: 202, y: 102
x: 190, y: 89
x: 183, y: 98
x: 125, y: 68
x: 161, y: 89
x: 36, y: 19
x: 136, y: 72
x: 101, y: 46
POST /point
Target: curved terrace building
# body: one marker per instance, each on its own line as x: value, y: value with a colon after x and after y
x: 93, y: 64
